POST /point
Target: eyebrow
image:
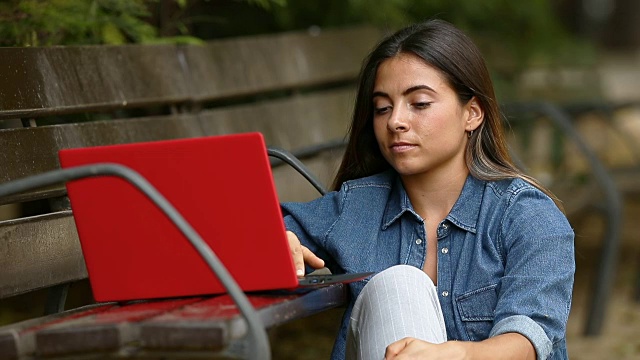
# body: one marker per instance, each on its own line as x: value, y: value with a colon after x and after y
x: 406, y: 92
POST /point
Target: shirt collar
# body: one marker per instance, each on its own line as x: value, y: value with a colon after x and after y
x: 397, y: 204
x: 464, y: 213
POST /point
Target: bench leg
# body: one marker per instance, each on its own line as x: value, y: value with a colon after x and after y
x: 56, y: 298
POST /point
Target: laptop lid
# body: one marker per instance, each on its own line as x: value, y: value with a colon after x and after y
x: 222, y: 185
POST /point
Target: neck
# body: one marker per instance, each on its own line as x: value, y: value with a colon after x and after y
x: 433, y: 195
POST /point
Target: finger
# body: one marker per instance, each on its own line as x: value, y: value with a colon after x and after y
x: 296, y: 253
x: 396, y: 347
x: 312, y: 259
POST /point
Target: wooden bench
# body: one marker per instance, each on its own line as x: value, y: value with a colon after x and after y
x: 295, y: 88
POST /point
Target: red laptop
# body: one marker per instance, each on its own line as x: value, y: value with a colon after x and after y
x: 222, y: 185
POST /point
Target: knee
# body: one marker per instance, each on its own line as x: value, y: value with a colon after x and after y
x: 399, y: 276
x: 403, y: 273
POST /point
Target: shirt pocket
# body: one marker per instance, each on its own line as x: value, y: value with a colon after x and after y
x: 477, y: 311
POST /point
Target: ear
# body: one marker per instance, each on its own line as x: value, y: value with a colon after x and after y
x: 475, y: 114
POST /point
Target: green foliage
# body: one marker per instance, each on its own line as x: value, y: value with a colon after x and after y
x: 512, y: 33
x: 65, y: 22
x: 267, y: 4
x: 182, y: 40
x: 113, y: 22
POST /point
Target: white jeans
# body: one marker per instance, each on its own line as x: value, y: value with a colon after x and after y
x: 399, y: 302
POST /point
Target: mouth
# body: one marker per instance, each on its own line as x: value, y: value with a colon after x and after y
x: 400, y: 147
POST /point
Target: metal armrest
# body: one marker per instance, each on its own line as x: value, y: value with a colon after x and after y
x: 291, y: 160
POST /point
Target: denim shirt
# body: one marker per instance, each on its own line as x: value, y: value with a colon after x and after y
x: 505, y: 254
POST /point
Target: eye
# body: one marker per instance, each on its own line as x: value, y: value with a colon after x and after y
x: 382, y: 110
x: 421, y: 105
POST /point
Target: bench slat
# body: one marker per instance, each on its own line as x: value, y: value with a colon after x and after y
x: 34, y: 150
x: 57, y: 80
x: 18, y: 340
x: 286, y: 61
x: 187, y: 328
x: 291, y: 123
x: 38, y: 252
x: 199, y: 325
x: 326, y: 115
x: 107, y: 330
x: 61, y: 80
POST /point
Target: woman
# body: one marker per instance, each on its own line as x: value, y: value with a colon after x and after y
x: 427, y: 181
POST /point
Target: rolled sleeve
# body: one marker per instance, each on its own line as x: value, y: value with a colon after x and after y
x: 535, y: 290
x: 528, y: 328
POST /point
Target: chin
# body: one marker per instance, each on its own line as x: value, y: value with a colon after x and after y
x: 407, y: 166
x: 408, y: 170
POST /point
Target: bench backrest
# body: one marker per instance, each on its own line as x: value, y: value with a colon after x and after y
x: 296, y: 88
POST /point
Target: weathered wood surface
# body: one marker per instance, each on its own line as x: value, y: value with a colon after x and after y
x: 203, y: 326
x: 314, y: 119
x: 29, y: 245
x: 241, y: 67
x: 61, y: 80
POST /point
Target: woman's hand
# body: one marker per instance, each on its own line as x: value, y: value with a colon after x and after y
x: 301, y: 255
x: 410, y: 348
x: 504, y: 346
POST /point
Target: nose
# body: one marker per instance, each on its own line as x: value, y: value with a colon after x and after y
x: 398, y: 121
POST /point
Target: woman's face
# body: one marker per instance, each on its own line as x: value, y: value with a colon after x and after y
x: 418, y: 120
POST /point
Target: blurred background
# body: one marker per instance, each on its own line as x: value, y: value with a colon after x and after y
x: 583, y: 55
x: 519, y: 39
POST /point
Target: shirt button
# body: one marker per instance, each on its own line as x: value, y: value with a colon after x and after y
x: 445, y: 226
x: 419, y: 241
x: 445, y: 250
x: 445, y: 293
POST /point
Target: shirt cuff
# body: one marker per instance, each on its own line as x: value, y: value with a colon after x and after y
x: 528, y: 328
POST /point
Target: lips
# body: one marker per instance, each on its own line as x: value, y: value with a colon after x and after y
x: 401, y: 146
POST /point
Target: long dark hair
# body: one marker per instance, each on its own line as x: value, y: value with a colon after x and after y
x: 449, y: 50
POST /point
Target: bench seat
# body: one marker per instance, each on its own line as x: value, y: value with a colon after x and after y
x: 209, y: 326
